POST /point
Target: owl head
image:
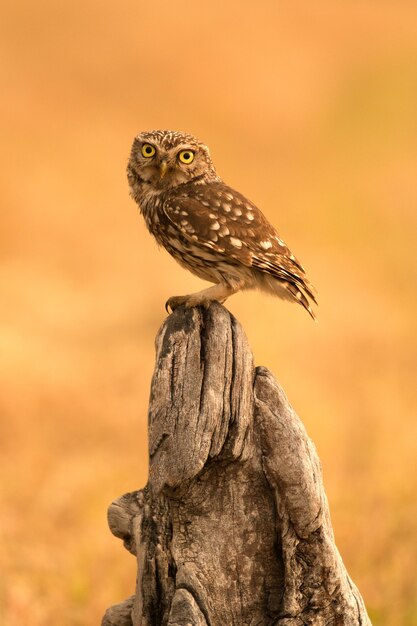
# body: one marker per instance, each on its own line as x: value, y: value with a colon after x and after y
x: 163, y: 159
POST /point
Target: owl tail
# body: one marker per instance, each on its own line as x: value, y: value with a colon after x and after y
x: 294, y: 291
x: 299, y: 296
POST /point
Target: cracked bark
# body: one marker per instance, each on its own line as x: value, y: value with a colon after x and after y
x: 233, y: 527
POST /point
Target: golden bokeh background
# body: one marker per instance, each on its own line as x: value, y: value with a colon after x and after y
x: 310, y: 109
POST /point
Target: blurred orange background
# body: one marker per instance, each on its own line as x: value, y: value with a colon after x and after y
x: 310, y: 109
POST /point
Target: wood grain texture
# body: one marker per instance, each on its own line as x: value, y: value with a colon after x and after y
x: 233, y: 527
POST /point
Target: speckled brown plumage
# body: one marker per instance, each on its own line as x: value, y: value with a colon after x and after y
x: 209, y: 228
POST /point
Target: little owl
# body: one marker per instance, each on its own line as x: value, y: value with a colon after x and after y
x: 209, y: 228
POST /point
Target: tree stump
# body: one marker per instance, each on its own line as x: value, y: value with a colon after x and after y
x: 233, y: 527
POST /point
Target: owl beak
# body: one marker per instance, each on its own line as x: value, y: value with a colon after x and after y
x: 163, y: 169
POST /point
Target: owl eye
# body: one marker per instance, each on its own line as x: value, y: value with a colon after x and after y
x: 186, y: 156
x: 148, y: 150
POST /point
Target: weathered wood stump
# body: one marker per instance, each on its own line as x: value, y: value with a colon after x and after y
x: 233, y: 527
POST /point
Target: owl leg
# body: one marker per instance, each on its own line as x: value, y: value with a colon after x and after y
x: 204, y: 298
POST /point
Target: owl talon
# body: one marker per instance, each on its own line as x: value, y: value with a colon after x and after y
x: 188, y: 301
x: 174, y: 302
x: 203, y: 302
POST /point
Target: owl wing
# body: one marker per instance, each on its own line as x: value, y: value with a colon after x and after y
x: 217, y: 217
x: 203, y: 223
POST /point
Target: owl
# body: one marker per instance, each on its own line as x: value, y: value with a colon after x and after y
x: 208, y: 227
